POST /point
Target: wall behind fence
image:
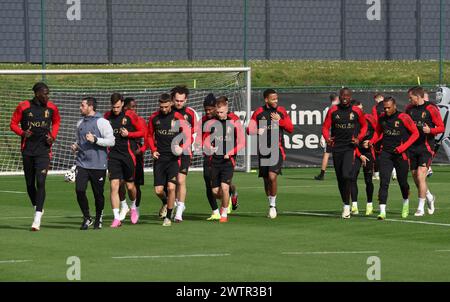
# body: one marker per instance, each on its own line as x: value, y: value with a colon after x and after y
x: 113, y: 31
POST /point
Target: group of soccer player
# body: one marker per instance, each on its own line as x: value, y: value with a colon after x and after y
x: 115, y: 142
x: 387, y: 137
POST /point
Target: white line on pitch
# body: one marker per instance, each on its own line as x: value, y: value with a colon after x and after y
x: 31, y: 217
x: 14, y: 261
x: 326, y: 253
x: 170, y: 256
x: 13, y: 192
x: 442, y: 251
x: 387, y: 219
x: 260, y: 187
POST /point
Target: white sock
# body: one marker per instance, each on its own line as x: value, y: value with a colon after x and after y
x: 181, y: 204
x: 224, y: 212
x: 377, y: 174
x: 421, y: 204
x: 405, y: 201
x: 176, y: 202
x: 116, y: 213
x: 124, y: 204
x: 37, y: 216
x: 273, y: 201
x: 383, y: 208
x: 133, y: 204
x: 369, y: 203
x: 355, y: 204
x: 215, y: 212
x: 347, y: 207
x: 429, y: 195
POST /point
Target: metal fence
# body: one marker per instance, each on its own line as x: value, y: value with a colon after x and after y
x: 113, y: 31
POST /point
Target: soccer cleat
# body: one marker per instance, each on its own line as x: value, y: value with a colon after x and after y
x: 369, y: 209
x: 355, y: 210
x: 430, y: 206
x: 346, y: 213
x: 234, y: 201
x: 213, y: 217
x: 319, y: 177
x: 98, y: 223
x: 419, y: 213
x: 123, y: 213
x: 167, y: 222
x: 87, y: 222
x: 134, y: 215
x: 116, y: 223
x: 223, y: 219
x: 163, y: 211
x: 381, y: 216
x: 405, y: 210
x: 272, y: 213
x: 36, y: 226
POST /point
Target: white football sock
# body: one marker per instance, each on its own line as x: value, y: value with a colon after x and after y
x: 116, y: 214
x: 347, y: 207
x: 355, y: 204
x: 37, y: 217
x: 224, y: 212
x: 133, y: 204
x: 215, y: 212
x: 124, y: 204
x: 429, y: 196
x: 405, y: 201
x: 273, y: 201
x: 421, y: 204
x: 383, y: 208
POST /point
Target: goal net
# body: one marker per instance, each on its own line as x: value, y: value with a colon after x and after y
x: 68, y: 87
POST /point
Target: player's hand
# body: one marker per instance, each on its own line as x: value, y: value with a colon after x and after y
x: 138, y: 152
x: 261, y: 131
x: 330, y: 141
x: 50, y: 139
x: 226, y: 156
x: 364, y: 160
x: 397, y: 151
x: 323, y: 142
x: 275, y: 116
x: 27, y: 133
x: 155, y: 155
x: 90, y: 137
x: 177, y: 150
x: 355, y: 141
x: 74, y: 147
x: 426, y: 129
x: 123, y: 132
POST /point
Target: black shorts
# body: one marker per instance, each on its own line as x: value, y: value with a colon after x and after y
x: 139, y: 174
x: 276, y: 168
x: 419, y: 158
x: 221, y: 173
x: 328, y: 149
x: 32, y: 163
x: 165, y: 170
x: 121, y: 169
x: 185, y: 162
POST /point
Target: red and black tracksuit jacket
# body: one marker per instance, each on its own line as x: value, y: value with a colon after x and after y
x: 41, y: 120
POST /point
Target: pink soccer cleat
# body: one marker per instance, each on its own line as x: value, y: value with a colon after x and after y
x: 134, y: 216
x: 116, y: 223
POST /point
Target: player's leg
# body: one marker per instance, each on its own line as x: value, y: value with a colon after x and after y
x: 354, y: 186
x: 97, y: 179
x: 41, y: 165
x: 401, y: 164
x: 160, y: 179
x: 386, y: 166
x: 325, y: 158
x: 338, y: 160
x: 273, y: 190
x: 368, y: 180
x: 209, y: 194
x: 347, y: 174
x: 81, y: 182
x: 128, y: 170
x: 124, y: 208
x: 185, y: 161
x: 170, y: 174
x: 30, y: 178
x: 224, y: 180
x: 234, y: 196
x: 115, y: 177
x: 426, y: 160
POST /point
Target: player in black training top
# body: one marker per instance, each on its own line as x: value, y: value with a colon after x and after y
x: 348, y: 127
x: 37, y: 122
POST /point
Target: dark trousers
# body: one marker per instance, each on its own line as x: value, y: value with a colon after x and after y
x: 368, y: 172
x: 343, y: 165
x: 207, y: 177
x: 97, y: 179
x: 35, y: 169
x: 388, y: 161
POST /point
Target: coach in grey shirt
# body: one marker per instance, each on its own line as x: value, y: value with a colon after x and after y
x: 94, y: 135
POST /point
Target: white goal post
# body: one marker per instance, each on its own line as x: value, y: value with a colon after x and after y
x: 68, y: 86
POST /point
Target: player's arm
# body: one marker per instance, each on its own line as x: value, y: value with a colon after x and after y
x: 412, y: 129
x: 362, y: 123
x: 327, y: 125
x: 437, y: 120
x: 15, y: 120
x: 252, y: 128
x: 194, y: 122
x: 56, y: 120
x: 373, y: 123
x: 375, y: 112
x: 151, y: 134
x: 107, y: 138
x: 240, y: 136
x: 186, y: 131
x: 139, y: 132
x: 286, y: 122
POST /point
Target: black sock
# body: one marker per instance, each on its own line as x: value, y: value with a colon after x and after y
x: 164, y: 200
x: 322, y: 172
x: 169, y: 213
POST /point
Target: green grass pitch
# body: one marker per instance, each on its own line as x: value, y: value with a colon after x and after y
x: 307, y: 242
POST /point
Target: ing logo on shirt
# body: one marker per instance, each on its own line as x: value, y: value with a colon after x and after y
x: 338, y: 117
x: 30, y: 114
